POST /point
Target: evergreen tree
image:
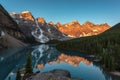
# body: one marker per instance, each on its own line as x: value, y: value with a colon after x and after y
x: 28, y: 66
x: 112, y: 63
x: 9, y: 78
x: 18, y: 76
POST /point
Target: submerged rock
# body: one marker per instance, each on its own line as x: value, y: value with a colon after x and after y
x: 57, y: 74
x: 60, y: 72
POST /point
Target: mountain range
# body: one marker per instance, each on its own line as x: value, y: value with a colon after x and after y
x: 22, y: 29
x: 71, y: 29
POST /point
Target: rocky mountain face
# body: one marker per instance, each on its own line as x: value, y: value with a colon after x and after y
x: 51, y: 31
x: 26, y: 23
x: 37, y: 28
x: 9, y: 31
x: 75, y: 29
x: 8, y: 25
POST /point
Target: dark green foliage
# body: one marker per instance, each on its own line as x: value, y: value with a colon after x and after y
x: 28, y: 66
x: 18, y: 76
x: 53, y: 41
x: 105, y: 45
x: 9, y: 78
x: 108, y: 60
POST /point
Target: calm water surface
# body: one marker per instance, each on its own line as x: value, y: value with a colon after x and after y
x: 46, y: 58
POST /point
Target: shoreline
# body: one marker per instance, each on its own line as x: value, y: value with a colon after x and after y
x: 115, y: 73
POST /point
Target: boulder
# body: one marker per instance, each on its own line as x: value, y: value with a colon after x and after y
x: 56, y: 74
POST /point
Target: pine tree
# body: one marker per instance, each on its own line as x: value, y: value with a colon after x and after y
x: 112, y: 63
x: 28, y: 66
x: 18, y: 76
x: 9, y: 78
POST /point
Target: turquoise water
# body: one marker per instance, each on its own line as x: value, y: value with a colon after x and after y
x: 46, y: 58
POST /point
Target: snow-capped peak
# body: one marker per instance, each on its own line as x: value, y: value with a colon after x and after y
x: 12, y: 13
x: 25, y: 12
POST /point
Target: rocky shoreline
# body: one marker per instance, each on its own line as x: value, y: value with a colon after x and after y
x: 116, y: 73
x: 56, y: 74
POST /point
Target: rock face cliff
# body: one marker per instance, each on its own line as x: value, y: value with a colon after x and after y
x: 9, y: 31
x: 26, y: 23
x: 8, y: 25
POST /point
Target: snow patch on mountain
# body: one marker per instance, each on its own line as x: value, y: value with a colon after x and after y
x: 25, y: 12
x: 39, y: 34
x: 12, y: 14
x: 2, y: 33
x: 49, y: 30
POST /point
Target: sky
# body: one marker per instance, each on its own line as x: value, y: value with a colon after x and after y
x: 96, y: 11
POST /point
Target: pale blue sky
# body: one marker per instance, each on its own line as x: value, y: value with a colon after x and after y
x: 96, y: 11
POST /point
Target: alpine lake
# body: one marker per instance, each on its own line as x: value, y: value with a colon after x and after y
x: 46, y: 58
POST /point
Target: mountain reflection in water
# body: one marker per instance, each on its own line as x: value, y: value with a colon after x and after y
x: 73, y: 60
